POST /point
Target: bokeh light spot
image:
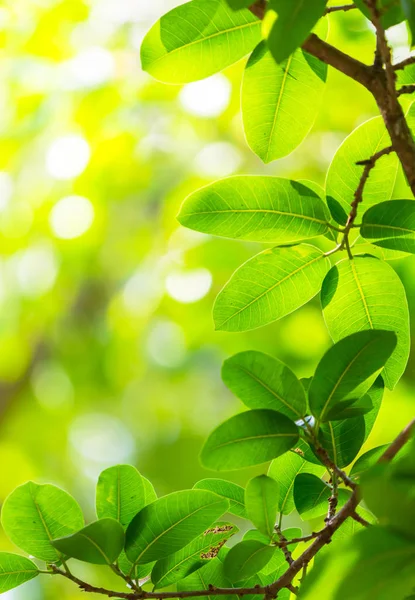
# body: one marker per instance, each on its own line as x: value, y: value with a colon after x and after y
x: 218, y: 159
x: 188, y: 286
x: 71, y: 217
x: 207, y: 98
x: 68, y: 157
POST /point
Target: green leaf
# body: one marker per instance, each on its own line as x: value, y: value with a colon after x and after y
x: 237, y: 4
x: 311, y: 496
x: 261, y: 381
x: 295, y: 20
x: 246, y: 559
x: 99, y: 543
x: 348, y: 370
x: 374, y: 564
x: 211, y: 574
x: 261, y: 500
x: 367, y: 460
x: 344, y: 174
x: 391, y: 225
x: 34, y: 515
x: 253, y: 208
x: 344, y: 439
x: 250, y: 438
x: 170, y: 523
x: 361, y: 407
x: 284, y: 470
x: 391, y: 11
x: 149, y: 491
x: 269, y: 286
x: 15, y: 570
x: 192, y: 557
x: 390, y: 495
x: 278, y: 558
x: 280, y: 102
x: 227, y: 489
x: 197, y: 39
x: 366, y: 293
x: 120, y: 494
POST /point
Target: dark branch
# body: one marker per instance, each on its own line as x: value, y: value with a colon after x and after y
x: 344, y: 8
x: 406, y: 89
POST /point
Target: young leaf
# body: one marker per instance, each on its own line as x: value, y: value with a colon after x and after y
x: 211, y: 574
x: 99, y: 543
x: 367, y: 460
x: 295, y: 20
x: 284, y: 470
x: 269, y: 286
x: 15, y: 570
x: 254, y: 208
x: 120, y: 494
x: 366, y: 293
x: 34, y: 515
x: 391, y: 225
x: 348, y: 369
x: 250, y: 438
x: 344, y: 439
x: 261, y: 499
x: 261, y: 381
x: 170, y: 523
x: 246, y: 559
x: 344, y: 174
x: 278, y: 559
x: 280, y: 102
x: 227, y: 489
x: 192, y: 557
x: 197, y: 39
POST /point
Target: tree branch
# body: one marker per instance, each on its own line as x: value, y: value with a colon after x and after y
x: 344, y: 8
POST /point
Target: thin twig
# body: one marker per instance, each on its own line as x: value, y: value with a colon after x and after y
x: 398, y: 443
x: 356, y: 517
x: 334, y: 498
x: 283, y: 539
x: 344, y: 8
x: 404, y: 63
x: 406, y: 89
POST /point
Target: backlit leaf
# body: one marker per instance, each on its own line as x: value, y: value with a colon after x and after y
x: 366, y: 293
x: 348, y: 369
x: 391, y: 225
x: 246, y: 559
x: 250, y: 438
x: 262, y: 209
x: 197, y: 39
x: 227, y: 489
x: 280, y: 101
x: 262, y: 381
x: 34, y: 515
x: 120, y: 494
x: 15, y: 570
x: 261, y: 500
x: 170, y: 523
x: 99, y: 543
x: 269, y: 286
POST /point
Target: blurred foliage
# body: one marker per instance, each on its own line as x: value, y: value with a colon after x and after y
x: 108, y: 348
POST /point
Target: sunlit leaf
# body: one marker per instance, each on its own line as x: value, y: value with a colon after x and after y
x: 344, y: 174
x: 170, y: 523
x: 34, y: 515
x: 391, y: 225
x: 269, y: 286
x: 15, y: 570
x: 280, y: 101
x: 262, y: 209
x: 192, y: 557
x: 348, y: 369
x: 295, y: 20
x: 227, y: 489
x: 367, y: 460
x: 366, y: 293
x: 120, y: 494
x: 250, y: 438
x: 197, y: 39
x: 262, y: 381
x: 261, y: 500
x: 246, y: 559
x: 99, y: 543
x: 285, y: 469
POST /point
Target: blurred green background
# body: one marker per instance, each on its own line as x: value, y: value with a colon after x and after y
x: 107, y: 347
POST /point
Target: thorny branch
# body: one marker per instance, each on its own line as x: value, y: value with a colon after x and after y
x: 321, y: 538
